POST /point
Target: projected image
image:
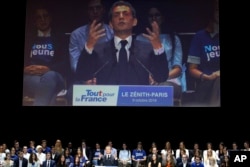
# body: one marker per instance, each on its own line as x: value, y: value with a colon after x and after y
x: 122, y: 53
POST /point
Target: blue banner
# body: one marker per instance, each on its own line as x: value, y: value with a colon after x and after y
x: 145, y: 96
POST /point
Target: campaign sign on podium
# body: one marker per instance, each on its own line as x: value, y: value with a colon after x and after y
x: 122, y: 95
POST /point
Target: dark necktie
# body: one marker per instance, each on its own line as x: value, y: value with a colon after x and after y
x: 123, y: 62
x: 48, y: 163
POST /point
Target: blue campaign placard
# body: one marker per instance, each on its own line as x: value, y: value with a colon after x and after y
x: 145, y: 96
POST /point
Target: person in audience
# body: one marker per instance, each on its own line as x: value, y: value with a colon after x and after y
x: 153, y: 144
x: 96, y: 153
x: 246, y: 146
x: 33, y: 160
x: 61, y: 161
x: 68, y: 158
x: 139, y: 156
x: 210, y: 149
x: 45, y: 63
x: 221, y: 152
x: 155, y: 161
x: 197, y: 162
x: 13, y: 155
x: 87, y: 153
x: 2, y: 154
x: 58, y: 147
x: 7, y: 162
x: 82, y: 158
x: 96, y: 11
x: 225, y: 162
x: 181, y: 147
x: 45, y: 148
x: 154, y: 151
x: 209, y: 158
x: 170, y: 162
x: 179, y: 159
x: 195, y: 149
x: 49, y: 162
x: 204, y: 62
x: 54, y: 154
x: 124, y: 159
x: 235, y: 147
x: 197, y: 153
x: 20, y: 161
x: 5, y: 148
x: 184, y: 161
x: 25, y: 152
x: 32, y: 147
x: 77, y: 162
x: 164, y: 152
x: 40, y: 155
x: 173, y: 48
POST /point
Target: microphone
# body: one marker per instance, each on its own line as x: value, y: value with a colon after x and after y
x: 144, y: 67
x: 151, y: 77
x: 101, y: 68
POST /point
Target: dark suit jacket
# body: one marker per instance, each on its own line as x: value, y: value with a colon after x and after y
x: 181, y: 164
x: 24, y: 163
x: 52, y: 163
x: 56, y: 157
x: 104, y: 161
x: 103, y: 58
x: 88, y: 151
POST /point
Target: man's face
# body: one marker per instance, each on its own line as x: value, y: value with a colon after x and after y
x: 42, y: 20
x: 108, y: 150
x: 48, y: 155
x: 95, y: 11
x: 122, y: 19
x: 20, y: 154
x: 154, y: 150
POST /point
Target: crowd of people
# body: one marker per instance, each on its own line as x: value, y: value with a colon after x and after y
x: 84, y: 155
x: 54, y: 63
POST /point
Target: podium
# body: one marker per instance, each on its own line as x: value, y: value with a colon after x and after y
x: 122, y: 95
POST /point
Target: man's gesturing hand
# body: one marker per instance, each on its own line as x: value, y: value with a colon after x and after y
x: 95, y: 32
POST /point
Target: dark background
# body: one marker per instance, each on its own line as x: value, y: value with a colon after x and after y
x: 187, y: 16
x: 118, y: 124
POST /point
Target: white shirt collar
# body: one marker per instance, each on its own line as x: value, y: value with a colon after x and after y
x: 117, y: 41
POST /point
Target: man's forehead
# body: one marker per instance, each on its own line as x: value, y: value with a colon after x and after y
x: 121, y: 8
x: 95, y: 3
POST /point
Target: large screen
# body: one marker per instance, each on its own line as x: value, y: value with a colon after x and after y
x: 72, y: 53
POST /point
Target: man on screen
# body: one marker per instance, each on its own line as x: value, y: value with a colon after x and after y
x: 103, y: 64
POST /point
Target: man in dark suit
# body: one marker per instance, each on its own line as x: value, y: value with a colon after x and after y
x: 21, y: 161
x: 49, y: 162
x: 102, y: 64
x: 184, y: 161
x: 54, y: 155
x: 87, y: 153
x: 108, y: 159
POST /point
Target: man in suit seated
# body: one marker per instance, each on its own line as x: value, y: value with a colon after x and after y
x: 20, y: 161
x: 123, y: 60
x: 49, y: 162
x: 108, y: 159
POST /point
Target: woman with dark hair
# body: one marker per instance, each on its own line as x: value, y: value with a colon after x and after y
x: 172, y: 46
